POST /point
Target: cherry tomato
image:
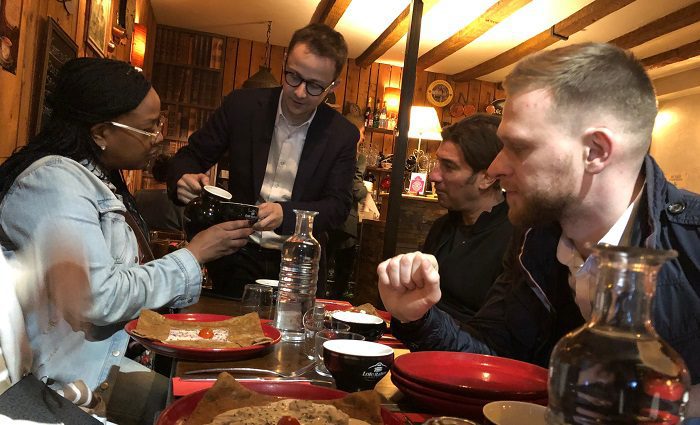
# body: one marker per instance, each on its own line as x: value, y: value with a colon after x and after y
x: 288, y: 420
x: 206, y: 333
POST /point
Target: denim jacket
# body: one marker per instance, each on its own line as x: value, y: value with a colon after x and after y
x: 56, y: 189
x: 531, y: 306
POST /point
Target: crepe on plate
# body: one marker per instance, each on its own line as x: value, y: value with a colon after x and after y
x: 236, y: 332
x: 228, y: 394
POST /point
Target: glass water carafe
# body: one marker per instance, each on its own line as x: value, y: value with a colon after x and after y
x: 616, y: 369
x: 298, y: 277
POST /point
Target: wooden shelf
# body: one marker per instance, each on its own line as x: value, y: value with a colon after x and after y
x: 188, y: 105
x: 379, y: 130
x: 190, y: 66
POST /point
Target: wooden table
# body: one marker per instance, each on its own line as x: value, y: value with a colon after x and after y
x: 284, y: 357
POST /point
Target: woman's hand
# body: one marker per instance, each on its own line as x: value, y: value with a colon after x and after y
x: 219, y: 240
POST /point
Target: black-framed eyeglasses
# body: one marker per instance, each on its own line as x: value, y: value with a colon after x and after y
x: 312, y: 88
x: 152, y: 136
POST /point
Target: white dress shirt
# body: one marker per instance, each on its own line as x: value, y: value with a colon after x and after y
x: 583, y: 274
x: 281, y: 171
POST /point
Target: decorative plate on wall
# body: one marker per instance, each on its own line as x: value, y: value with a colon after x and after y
x: 440, y: 93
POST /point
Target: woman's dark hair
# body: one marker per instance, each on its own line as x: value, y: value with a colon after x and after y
x: 324, y: 41
x: 88, y: 91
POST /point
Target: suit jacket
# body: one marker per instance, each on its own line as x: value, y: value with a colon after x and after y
x: 243, y: 127
x: 359, y: 192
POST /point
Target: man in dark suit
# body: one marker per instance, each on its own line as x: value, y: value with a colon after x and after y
x: 287, y: 150
x: 342, y: 241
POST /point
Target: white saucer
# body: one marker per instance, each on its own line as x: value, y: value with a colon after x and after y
x: 268, y: 282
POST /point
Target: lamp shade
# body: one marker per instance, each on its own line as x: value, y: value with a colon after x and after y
x: 392, y: 96
x: 138, y: 45
x: 424, y: 123
x: 261, y: 79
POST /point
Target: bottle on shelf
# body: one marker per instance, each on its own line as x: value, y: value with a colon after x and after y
x: 391, y: 122
x: 382, y: 116
x: 375, y: 117
x: 368, y: 113
x: 298, y: 277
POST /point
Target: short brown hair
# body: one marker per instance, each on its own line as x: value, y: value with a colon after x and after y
x: 477, y: 139
x: 591, y: 77
x: 324, y: 41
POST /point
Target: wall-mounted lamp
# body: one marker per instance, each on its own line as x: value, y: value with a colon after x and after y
x: 138, y: 45
x: 392, y: 96
x: 119, y: 35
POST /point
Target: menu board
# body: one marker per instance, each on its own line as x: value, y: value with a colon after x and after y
x: 58, y: 49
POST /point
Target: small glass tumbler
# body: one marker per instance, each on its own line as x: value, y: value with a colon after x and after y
x: 313, y: 322
x: 326, y: 335
x: 257, y: 298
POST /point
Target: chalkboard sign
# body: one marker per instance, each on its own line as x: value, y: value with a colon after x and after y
x: 58, y: 49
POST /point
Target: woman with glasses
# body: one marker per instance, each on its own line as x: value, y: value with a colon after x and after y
x: 287, y: 150
x: 106, y: 118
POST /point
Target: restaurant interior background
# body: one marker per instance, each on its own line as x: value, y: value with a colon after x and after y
x: 196, y: 52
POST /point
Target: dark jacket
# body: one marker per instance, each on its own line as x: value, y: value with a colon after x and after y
x: 359, y: 192
x: 243, y: 127
x: 481, y: 253
x: 531, y: 305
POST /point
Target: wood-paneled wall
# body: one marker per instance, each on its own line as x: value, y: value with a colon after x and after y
x: 16, y: 91
x: 243, y: 58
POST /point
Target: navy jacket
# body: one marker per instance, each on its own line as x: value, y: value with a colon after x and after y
x: 242, y: 128
x: 531, y: 305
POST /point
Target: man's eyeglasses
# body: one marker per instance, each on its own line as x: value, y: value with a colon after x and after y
x: 312, y: 88
x: 152, y: 137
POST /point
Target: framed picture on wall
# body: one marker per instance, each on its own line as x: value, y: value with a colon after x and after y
x: 10, y: 17
x: 99, y: 20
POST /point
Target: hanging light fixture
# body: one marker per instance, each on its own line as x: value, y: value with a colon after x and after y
x: 263, y: 78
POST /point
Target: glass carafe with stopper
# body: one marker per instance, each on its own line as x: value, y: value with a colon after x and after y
x: 616, y: 369
x: 298, y: 277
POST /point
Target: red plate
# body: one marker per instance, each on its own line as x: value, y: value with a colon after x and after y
x: 182, y: 408
x: 204, y: 354
x: 402, y: 382
x: 474, y: 375
x: 443, y: 407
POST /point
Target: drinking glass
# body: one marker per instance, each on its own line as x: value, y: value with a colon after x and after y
x: 257, y: 298
x: 313, y: 322
x: 326, y: 335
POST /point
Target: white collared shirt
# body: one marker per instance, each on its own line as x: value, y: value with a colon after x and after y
x: 281, y: 170
x: 582, y: 274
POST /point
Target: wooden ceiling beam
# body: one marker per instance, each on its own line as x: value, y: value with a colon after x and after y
x: 391, y: 35
x: 678, y: 54
x: 576, y: 22
x: 329, y: 12
x: 493, y: 16
x: 669, y: 23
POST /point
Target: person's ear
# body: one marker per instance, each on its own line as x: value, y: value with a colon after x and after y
x: 98, y: 133
x: 485, y: 181
x: 598, y: 146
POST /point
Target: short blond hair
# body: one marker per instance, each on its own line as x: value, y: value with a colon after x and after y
x: 591, y: 78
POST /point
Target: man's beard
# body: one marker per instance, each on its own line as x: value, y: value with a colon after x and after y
x: 539, y: 208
